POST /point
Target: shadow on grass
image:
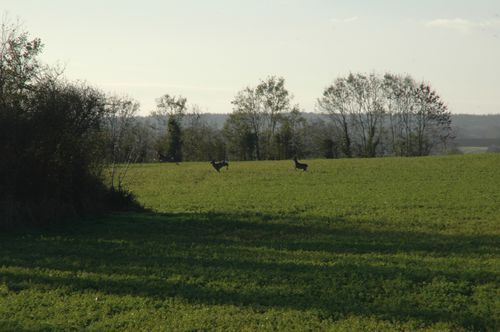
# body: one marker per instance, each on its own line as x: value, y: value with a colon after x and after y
x: 14, y: 326
x: 331, y: 266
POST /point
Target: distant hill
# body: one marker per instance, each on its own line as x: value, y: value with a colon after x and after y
x: 477, y: 130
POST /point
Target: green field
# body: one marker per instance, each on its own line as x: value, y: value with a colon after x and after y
x: 387, y: 244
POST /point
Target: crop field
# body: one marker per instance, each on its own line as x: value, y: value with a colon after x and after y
x: 388, y: 244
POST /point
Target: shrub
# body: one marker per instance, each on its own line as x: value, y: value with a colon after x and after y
x: 52, y: 141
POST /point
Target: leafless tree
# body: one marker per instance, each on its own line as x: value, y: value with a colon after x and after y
x: 123, y: 139
x: 373, y: 112
x: 419, y: 120
x: 367, y: 112
x: 338, y: 103
x: 275, y: 100
x: 248, y: 108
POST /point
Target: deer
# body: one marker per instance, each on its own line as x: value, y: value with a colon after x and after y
x: 299, y: 165
x: 219, y: 164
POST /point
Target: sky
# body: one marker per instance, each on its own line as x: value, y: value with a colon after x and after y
x: 209, y: 50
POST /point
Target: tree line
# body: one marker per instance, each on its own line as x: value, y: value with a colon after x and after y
x: 66, y: 146
x: 363, y: 116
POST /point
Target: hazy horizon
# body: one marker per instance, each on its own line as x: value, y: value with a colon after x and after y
x: 208, y: 51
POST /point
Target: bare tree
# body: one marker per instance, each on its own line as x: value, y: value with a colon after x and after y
x: 248, y: 108
x: 368, y: 109
x: 433, y: 120
x: 418, y: 119
x: 337, y: 102
x: 201, y: 141
x: 123, y: 139
x: 168, y: 106
x: 367, y: 112
x: 275, y: 100
x: 400, y: 105
x: 262, y: 109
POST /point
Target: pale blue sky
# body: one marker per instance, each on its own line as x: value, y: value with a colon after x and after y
x: 208, y: 50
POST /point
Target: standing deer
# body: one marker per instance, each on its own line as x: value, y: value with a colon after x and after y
x: 299, y: 165
x: 219, y: 164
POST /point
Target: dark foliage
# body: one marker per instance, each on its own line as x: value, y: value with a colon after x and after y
x: 174, y: 147
x: 51, y: 139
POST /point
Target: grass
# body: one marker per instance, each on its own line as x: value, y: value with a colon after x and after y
x: 352, y: 245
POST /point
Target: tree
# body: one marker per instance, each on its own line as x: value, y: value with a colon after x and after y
x: 262, y: 109
x: 143, y: 139
x: 399, y: 106
x: 248, y: 114
x: 170, y: 110
x: 122, y: 136
x: 241, y: 137
x: 170, y: 106
x: 174, y: 140
x: 19, y: 64
x: 289, y: 139
x: 355, y: 104
x: 419, y: 121
x: 201, y: 141
x: 19, y: 69
x: 374, y: 113
x: 328, y: 148
x: 433, y: 120
x: 368, y: 112
x: 320, y: 139
x: 275, y: 101
x: 337, y: 102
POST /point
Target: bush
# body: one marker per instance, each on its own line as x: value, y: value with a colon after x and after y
x: 52, y: 141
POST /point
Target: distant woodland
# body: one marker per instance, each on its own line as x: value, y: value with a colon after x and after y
x: 315, y: 139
